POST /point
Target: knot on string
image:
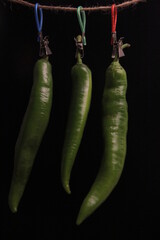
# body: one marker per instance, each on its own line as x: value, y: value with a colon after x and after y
x: 82, y: 22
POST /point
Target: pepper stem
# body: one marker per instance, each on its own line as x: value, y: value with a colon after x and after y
x: 79, y: 50
x: 125, y: 45
x: 79, y: 59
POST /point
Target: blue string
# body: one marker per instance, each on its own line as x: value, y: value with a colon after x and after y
x: 38, y: 22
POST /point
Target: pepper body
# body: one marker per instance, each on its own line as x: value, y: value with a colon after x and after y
x: 114, y: 127
x: 32, y: 130
x: 77, y: 117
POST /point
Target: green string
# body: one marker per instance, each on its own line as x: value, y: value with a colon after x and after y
x: 82, y: 22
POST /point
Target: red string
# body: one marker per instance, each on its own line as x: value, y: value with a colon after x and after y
x: 113, y: 19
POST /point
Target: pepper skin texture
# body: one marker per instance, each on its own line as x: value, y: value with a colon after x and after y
x: 114, y: 128
x: 32, y: 130
x: 77, y: 117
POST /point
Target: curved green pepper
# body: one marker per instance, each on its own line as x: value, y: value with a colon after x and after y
x: 33, y: 127
x: 114, y: 126
x: 77, y: 117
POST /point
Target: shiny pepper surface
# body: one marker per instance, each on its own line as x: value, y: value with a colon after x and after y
x: 114, y: 129
x: 77, y: 117
x: 32, y: 130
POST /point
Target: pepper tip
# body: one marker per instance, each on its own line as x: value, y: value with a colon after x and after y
x: 67, y: 188
x: 79, y: 220
x: 13, y: 209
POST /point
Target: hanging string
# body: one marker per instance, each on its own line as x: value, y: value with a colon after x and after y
x: 114, y: 17
x: 82, y: 22
x: 74, y: 9
x: 39, y: 22
x: 113, y: 21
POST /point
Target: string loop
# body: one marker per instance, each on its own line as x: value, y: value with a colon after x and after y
x: 114, y: 17
x: 82, y: 22
x: 39, y: 22
x: 114, y: 23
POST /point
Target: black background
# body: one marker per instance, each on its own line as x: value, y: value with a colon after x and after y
x: 46, y: 211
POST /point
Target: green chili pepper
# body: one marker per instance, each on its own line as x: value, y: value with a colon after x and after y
x: 77, y: 117
x: 114, y: 126
x: 32, y: 130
